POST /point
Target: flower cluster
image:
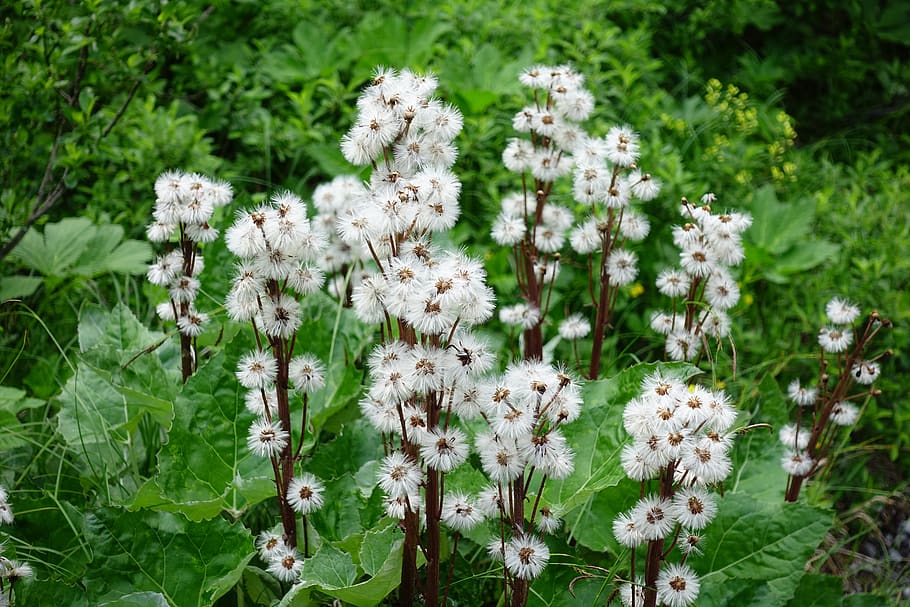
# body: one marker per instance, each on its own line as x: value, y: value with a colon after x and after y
x: 333, y: 200
x: 681, y: 439
x: 829, y: 404
x: 429, y: 376
x: 605, y: 181
x: 702, y: 287
x: 184, y: 205
x: 280, y: 255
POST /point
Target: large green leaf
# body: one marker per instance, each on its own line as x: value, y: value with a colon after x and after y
x: 817, y: 590
x: 54, y: 252
x: 76, y: 247
x: 757, y: 454
x: 138, y: 599
x: 333, y: 572
x: 189, y: 564
x: 96, y: 423
x: 756, y: 550
x: 780, y: 241
x: 205, y: 467
x: 113, y: 387
x: 13, y: 287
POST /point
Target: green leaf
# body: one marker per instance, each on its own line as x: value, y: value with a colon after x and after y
x: 14, y: 400
x: 76, y: 247
x: 95, y: 421
x: 329, y: 568
x: 130, y: 257
x: 205, y: 467
x: 817, y: 590
x: 334, y: 573
x: 805, y: 256
x: 16, y: 287
x: 156, y: 552
x: 51, y: 592
x: 11, y: 432
x: 103, y: 401
x: 592, y: 525
x: 374, y: 551
x: 261, y: 587
x: 756, y: 455
x: 552, y: 588
x: 139, y: 599
x: 777, y: 226
x: 54, y: 252
x: 350, y: 512
x: 756, y: 550
x: 318, y: 335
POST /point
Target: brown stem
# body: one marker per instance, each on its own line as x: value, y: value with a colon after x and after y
x: 432, y: 494
x: 520, y: 587
x: 408, y: 585
x: 288, y: 517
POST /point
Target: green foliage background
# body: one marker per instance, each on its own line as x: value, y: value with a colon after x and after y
x: 796, y: 112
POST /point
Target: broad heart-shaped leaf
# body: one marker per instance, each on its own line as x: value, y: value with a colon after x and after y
x: 118, y: 343
x: 780, y: 237
x: 333, y: 572
x: 98, y: 422
x: 756, y: 550
x: 188, y: 563
x: 106, y: 253
x: 757, y: 454
x: 103, y: 401
x: 206, y: 467
x: 51, y: 592
x: 597, y: 436
x: 592, y: 525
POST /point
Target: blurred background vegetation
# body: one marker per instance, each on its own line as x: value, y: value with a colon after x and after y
x: 798, y: 112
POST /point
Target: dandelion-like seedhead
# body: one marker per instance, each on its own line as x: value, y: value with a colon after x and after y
x: 184, y: 208
x: 680, y: 438
x: 846, y: 374
x: 710, y: 245
x: 605, y: 182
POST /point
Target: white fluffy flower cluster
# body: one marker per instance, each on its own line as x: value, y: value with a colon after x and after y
x: 551, y: 123
x: 605, y: 181
x: 338, y: 198
x: 833, y: 406
x: 184, y: 205
x: 6, y: 511
x: 407, y: 136
x: 710, y: 244
x: 276, y: 245
x: 524, y: 408
x: 841, y: 314
x: 279, y: 263
x: 282, y: 561
x: 681, y: 436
